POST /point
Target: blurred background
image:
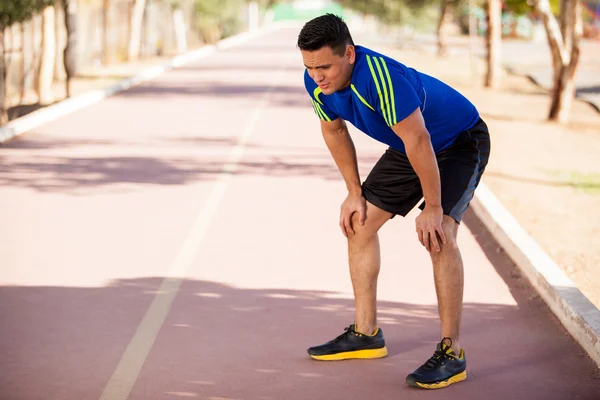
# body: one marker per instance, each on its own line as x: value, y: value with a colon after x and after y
x: 51, y: 48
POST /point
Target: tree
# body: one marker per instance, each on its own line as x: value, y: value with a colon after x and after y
x: 3, y: 89
x: 179, y: 26
x: 17, y: 11
x: 391, y: 12
x: 46, y: 73
x: 13, y: 12
x: 493, y: 43
x: 135, y: 35
x: 563, y: 39
x: 69, y: 58
x: 217, y: 19
x: 105, y: 31
x: 445, y: 13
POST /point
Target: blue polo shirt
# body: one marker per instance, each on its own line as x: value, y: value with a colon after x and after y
x: 383, y: 91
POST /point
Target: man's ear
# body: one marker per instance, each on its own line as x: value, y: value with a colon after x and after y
x: 350, y: 54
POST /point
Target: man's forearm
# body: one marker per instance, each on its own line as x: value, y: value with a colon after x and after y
x: 422, y: 158
x: 342, y: 150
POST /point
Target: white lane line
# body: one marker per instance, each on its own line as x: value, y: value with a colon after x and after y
x: 121, y: 383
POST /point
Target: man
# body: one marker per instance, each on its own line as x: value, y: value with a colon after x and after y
x: 438, y: 150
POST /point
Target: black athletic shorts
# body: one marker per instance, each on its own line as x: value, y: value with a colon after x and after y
x: 394, y: 186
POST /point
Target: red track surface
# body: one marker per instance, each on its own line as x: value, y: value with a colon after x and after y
x: 180, y: 240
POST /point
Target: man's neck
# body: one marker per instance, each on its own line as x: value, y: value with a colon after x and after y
x: 347, y: 84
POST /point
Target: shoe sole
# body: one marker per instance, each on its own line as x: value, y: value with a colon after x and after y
x: 362, y: 354
x: 438, y: 385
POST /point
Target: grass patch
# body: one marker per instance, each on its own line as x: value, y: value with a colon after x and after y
x: 589, y: 183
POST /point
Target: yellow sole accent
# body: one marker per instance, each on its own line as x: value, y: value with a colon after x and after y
x: 455, y: 379
x: 363, y: 354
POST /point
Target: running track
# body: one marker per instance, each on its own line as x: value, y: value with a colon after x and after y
x: 180, y: 240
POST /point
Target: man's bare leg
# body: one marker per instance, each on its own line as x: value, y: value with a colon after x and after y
x: 449, y: 282
x: 364, y: 259
x: 363, y: 252
x: 442, y: 369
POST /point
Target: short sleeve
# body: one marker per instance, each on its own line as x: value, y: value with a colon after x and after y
x: 394, y: 96
x: 322, y: 111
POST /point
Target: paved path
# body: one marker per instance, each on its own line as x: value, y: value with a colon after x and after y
x: 180, y: 240
x: 533, y: 59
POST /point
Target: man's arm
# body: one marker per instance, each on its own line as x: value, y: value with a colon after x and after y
x: 419, y: 151
x: 340, y: 145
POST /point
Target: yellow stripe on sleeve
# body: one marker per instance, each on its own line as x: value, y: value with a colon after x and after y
x: 393, y: 120
x: 385, y: 93
x: 316, y: 93
x: 320, y: 112
x: 378, y: 89
x: 316, y: 110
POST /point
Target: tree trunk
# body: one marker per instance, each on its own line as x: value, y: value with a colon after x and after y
x: 3, y: 83
x: 472, y: 38
x: 105, y: 31
x: 59, y: 56
x: 563, y: 40
x: 180, y: 30
x: 5, y: 65
x: 494, y: 43
x: 441, y: 31
x: 135, y: 36
x: 253, y: 16
x: 26, y: 58
x: 47, y: 63
x: 563, y: 94
x: 70, y: 52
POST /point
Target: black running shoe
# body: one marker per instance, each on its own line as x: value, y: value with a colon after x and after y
x: 351, y: 344
x: 443, y: 369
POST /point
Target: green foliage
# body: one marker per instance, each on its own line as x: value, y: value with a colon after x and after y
x: 219, y: 18
x: 519, y: 7
x: 266, y: 4
x: 524, y: 7
x: 218, y: 10
x: 386, y: 11
x: 173, y: 4
x: 15, y: 11
x: 389, y: 11
x: 287, y: 11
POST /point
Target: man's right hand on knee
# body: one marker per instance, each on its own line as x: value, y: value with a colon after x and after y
x: 354, y: 203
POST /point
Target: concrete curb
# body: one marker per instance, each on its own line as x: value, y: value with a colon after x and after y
x: 579, y: 316
x: 75, y: 103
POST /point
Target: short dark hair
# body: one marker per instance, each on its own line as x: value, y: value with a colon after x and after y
x: 325, y: 30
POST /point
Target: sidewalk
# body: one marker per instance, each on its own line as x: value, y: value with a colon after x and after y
x: 533, y: 60
x: 90, y: 78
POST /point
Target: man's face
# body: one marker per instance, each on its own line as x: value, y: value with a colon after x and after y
x: 329, y: 70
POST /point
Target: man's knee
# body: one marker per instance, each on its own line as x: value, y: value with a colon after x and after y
x: 450, y: 229
x: 373, y: 222
x: 368, y: 229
